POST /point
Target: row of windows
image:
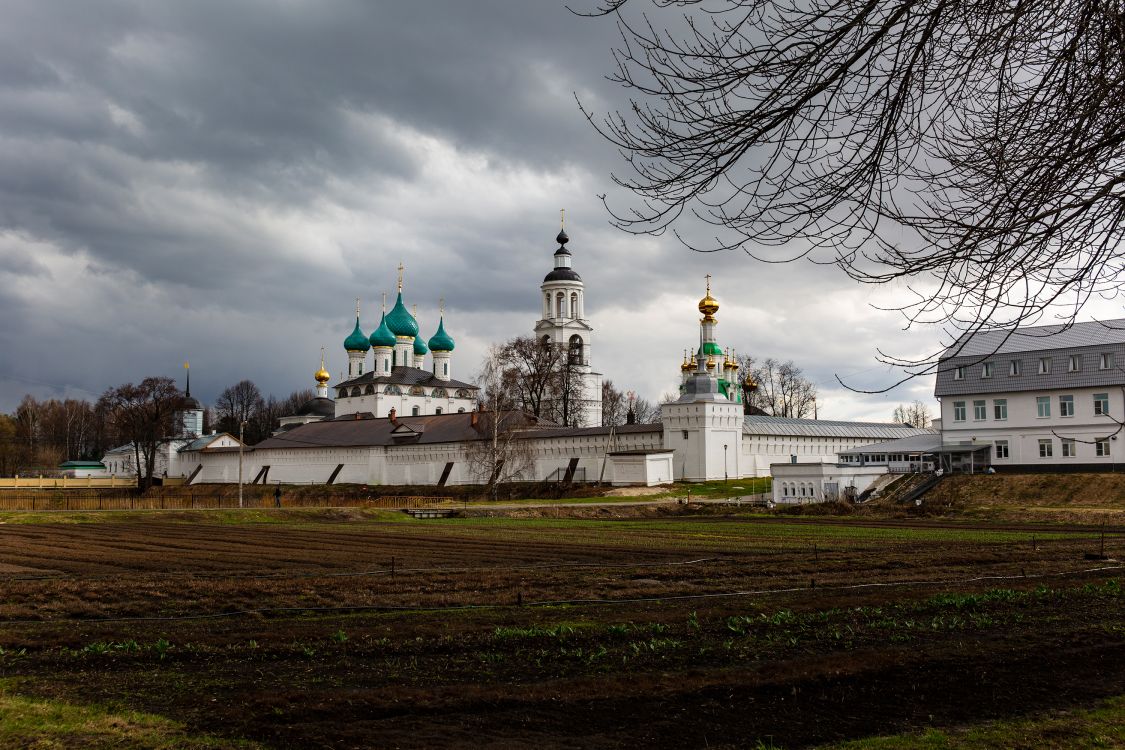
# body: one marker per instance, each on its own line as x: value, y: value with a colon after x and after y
x: 394, y: 390
x: 1069, y: 447
x: 1015, y: 366
x: 797, y: 489
x: 1042, y: 407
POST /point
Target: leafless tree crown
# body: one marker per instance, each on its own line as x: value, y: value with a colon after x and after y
x: 973, y: 148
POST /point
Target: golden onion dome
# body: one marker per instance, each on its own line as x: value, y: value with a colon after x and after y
x: 710, y: 363
x: 687, y: 366
x: 322, y: 375
x: 708, y: 305
x: 750, y: 382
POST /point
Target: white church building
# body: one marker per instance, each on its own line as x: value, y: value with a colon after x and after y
x: 400, y: 415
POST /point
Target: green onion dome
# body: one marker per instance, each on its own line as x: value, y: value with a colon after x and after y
x: 420, y: 349
x: 400, y: 321
x: 357, y: 341
x: 441, y: 341
x: 712, y: 349
x: 382, y: 335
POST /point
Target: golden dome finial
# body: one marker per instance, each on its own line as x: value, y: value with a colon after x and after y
x: 686, y: 365
x: 322, y: 375
x: 708, y: 305
x: 384, y: 303
x: 401, y: 268
x: 441, y: 307
x: 357, y: 308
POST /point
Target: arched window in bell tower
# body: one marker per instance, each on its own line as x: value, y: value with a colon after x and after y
x: 547, y: 305
x: 574, y: 304
x: 574, y: 350
x: 560, y: 301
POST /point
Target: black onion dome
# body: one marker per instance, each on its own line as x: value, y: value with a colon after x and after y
x: 562, y: 274
x: 190, y: 404
x: 318, y: 407
x: 562, y: 239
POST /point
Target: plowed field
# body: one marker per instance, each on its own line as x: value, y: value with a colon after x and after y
x: 364, y: 630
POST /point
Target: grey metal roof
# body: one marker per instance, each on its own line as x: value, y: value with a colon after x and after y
x: 406, y: 376
x: 1088, y: 374
x: 789, y: 426
x: 1039, y: 338
x: 913, y: 444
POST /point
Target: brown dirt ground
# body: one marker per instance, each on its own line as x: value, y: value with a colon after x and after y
x: 475, y: 660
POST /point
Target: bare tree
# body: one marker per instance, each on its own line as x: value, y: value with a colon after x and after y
x: 540, y: 379
x: 645, y: 411
x: 240, y: 403
x: 973, y: 149
x: 916, y: 414
x: 614, y: 405
x: 780, y: 389
x: 145, y: 416
x: 499, y: 456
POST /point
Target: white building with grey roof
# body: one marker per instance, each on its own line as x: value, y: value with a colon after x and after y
x: 1043, y: 397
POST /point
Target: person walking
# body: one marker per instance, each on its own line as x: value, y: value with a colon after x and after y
x: 277, y: 496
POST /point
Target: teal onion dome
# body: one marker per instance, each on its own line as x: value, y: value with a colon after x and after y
x: 400, y: 321
x: 420, y: 349
x: 382, y: 335
x: 712, y: 349
x: 357, y: 341
x: 441, y: 341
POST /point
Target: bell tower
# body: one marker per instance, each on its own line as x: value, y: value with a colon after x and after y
x: 564, y: 325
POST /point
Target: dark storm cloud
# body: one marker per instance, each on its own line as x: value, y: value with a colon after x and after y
x: 218, y: 181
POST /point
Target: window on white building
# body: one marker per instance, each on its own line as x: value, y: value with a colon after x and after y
x: 1001, y: 448
x: 437, y: 410
x: 980, y: 410
x: 1105, y: 361
x: 1014, y: 367
x: 1101, y: 403
x: 1074, y: 363
x: 414, y: 411
x: 1044, y: 365
x: 1046, y: 449
x: 958, y: 411
x: 1066, y: 406
x: 1101, y: 448
x: 1068, y: 448
x: 1000, y: 409
x: 986, y: 370
x: 1042, y: 406
x: 959, y: 373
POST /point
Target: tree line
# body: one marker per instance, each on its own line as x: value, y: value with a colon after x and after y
x: 41, y: 434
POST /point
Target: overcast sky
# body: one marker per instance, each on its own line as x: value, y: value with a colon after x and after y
x: 217, y: 182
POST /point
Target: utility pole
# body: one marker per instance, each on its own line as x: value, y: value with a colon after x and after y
x: 241, y: 437
x: 726, y: 474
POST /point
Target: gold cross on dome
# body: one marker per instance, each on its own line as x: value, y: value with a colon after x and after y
x: 357, y: 307
x: 708, y: 284
x: 441, y: 306
x: 401, y: 268
x: 562, y: 218
x: 384, y: 302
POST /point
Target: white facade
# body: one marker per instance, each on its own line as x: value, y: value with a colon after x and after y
x: 767, y: 441
x: 1040, y: 397
x: 821, y: 482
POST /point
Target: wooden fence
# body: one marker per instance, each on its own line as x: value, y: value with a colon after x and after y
x: 90, y: 501
x: 15, y: 483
